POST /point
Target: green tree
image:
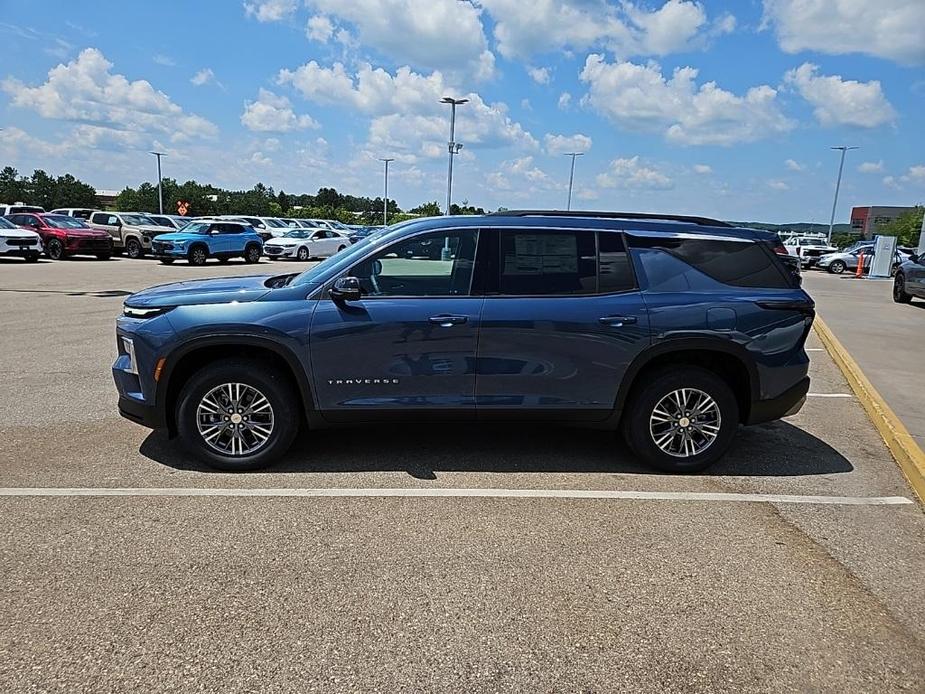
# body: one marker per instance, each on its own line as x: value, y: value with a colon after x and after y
x: 71, y: 192
x: 428, y: 209
x: 13, y: 187
x: 905, y: 228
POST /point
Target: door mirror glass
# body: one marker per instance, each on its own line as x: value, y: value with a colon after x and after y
x: 346, y: 289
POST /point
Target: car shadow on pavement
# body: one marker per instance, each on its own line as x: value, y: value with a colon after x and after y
x: 775, y: 449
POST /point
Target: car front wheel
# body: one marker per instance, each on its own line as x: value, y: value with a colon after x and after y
x: 54, y: 249
x: 133, y: 248
x: 197, y: 255
x: 837, y: 267
x: 899, y: 289
x: 682, y: 419
x: 302, y: 253
x: 238, y: 414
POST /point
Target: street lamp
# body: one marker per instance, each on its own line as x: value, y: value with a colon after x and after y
x: 385, y: 205
x: 452, y: 146
x: 841, y: 164
x: 571, y: 176
x: 160, y: 194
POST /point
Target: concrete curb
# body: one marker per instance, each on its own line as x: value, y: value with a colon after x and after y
x: 905, y: 450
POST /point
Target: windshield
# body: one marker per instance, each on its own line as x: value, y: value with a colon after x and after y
x: 296, y: 234
x: 64, y: 222
x: 6, y: 224
x: 275, y: 223
x: 196, y: 228
x: 136, y: 220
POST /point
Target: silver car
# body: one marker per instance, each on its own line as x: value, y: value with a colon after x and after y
x: 837, y: 263
x: 909, y: 280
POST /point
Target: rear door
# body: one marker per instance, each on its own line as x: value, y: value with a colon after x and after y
x: 409, y: 343
x: 562, y: 320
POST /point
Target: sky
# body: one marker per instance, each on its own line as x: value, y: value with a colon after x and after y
x: 724, y: 109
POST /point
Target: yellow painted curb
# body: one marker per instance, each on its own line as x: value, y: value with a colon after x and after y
x: 905, y: 450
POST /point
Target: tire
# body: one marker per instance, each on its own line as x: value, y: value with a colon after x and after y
x: 133, y: 248
x: 54, y: 249
x: 302, y: 253
x: 899, y: 289
x: 167, y: 261
x: 252, y: 254
x: 197, y: 255
x: 836, y: 267
x: 641, y: 426
x: 103, y: 256
x: 270, y: 383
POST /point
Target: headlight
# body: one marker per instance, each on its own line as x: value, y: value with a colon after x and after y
x: 133, y: 312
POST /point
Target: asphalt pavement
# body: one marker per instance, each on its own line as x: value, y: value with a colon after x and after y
x: 391, y: 591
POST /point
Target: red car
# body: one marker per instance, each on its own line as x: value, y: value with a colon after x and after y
x: 63, y: 236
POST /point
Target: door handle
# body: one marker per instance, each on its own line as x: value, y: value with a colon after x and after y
x: 448, y: 321
x: 617, y: 321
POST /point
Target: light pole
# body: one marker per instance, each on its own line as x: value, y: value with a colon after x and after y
x: 841, y: 164
x: 385, y: 205
x: 571, y: 176
x: 160, y: 194
x: 452, y: 146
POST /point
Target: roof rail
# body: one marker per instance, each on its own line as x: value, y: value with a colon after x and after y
x: 702, y: 221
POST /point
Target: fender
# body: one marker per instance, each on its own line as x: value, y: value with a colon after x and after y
x: 282, y: 350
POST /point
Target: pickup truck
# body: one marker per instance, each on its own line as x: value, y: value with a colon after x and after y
x: 808, y: 249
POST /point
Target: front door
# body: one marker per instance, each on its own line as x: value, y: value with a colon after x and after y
x: 109, y: 223
x: 409, y: 343
x: 560, y: 325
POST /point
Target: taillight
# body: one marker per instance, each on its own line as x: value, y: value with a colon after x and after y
x: 779, y: 249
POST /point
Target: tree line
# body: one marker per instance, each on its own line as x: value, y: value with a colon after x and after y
x: 42, y: 189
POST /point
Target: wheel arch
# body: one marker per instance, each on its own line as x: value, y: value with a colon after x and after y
x: 185, y: 360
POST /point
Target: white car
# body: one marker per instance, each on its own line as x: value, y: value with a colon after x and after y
x: 79, y: 212
x: 305, y: 243
x: 19, y: 242
x: 20, y: 207
x: 330, y: 224
x: 809, y: 249
x: 266, y: 227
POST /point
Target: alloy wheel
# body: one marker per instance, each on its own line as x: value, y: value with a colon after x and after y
x: 685, y: 422
x: 55, y: 249
x: 235, y: 419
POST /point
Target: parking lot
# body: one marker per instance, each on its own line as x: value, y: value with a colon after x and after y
x: 431, y: 558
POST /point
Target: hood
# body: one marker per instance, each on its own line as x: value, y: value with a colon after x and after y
x: 181, y: 236
x: 17, y: 233
x: 220, y: 290
x: 86, y: 233
x: 280, y: 241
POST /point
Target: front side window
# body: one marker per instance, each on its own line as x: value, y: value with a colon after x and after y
x: 436, y: 264
x: 548, y: 262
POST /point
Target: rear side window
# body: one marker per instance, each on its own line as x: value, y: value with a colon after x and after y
x: 615, y: 273
x: 549, y: 262
x: 736, y: 263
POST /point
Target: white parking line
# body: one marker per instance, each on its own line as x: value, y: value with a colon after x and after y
x: 829, y: 395
x: 443, y: 492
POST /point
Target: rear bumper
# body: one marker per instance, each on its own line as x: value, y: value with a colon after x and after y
x: 784, y: 405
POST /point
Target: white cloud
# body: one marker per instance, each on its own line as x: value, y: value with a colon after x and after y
x: 841, y: 102
x: 630, y: 173
x: 525, y: 29
x: 871, y: 167
x: 445, y: 35
x: 639, y: 97
x: 565, y: 100
x: 914, y: 175
x: 85, y: 91
x: 273, y: 113
x: 704, y: 169
x: 319, y: 28
x: 203, y: 77
x: 540, y: 75
x: 778, y: 185
x: 890, y: 29
x: 408, y: 117
x: 270, y: 10
x: 794, y: 165
x: 165, y: 60
x: 560, y: 144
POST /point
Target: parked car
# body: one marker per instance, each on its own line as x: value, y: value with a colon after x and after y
x: 19, y: 242
x: 673, y: 330
x: 858, y: 245
x: 131, y: 231
x: 809, y: 249
x: 330, y: 224
x: 267, y: 227
x: 19, y: 207
x: 909, y: 279
x: 173, y: 221
x: 837, y: 263
x: 63, y: 236
x: 79, y: 212
x: 303, y: 244
x: 203, y: 239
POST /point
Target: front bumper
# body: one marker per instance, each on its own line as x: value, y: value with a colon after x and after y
x: 786, y: 404
x: 22, y: 248
x: 279, y: 251
x: 140, y: 413
x: 161, y: 249
x: 100, y: 245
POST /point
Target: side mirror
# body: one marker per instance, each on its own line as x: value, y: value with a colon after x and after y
x: 346, y: 289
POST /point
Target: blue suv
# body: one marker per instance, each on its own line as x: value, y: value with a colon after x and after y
x: 206, y: 238
x: 673, y: 330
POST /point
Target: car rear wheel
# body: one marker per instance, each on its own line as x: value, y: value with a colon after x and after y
x: 302, y: 253
x: 197, y: 255
x: 837, y: 267
x: 899, y: 289
x: 682, y: 419
x: 54, y: 249
x: 252, y: 254
x: 238, y: 414
x: 133, y: 248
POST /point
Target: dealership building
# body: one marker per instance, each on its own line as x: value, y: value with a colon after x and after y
x: 867, y: 221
